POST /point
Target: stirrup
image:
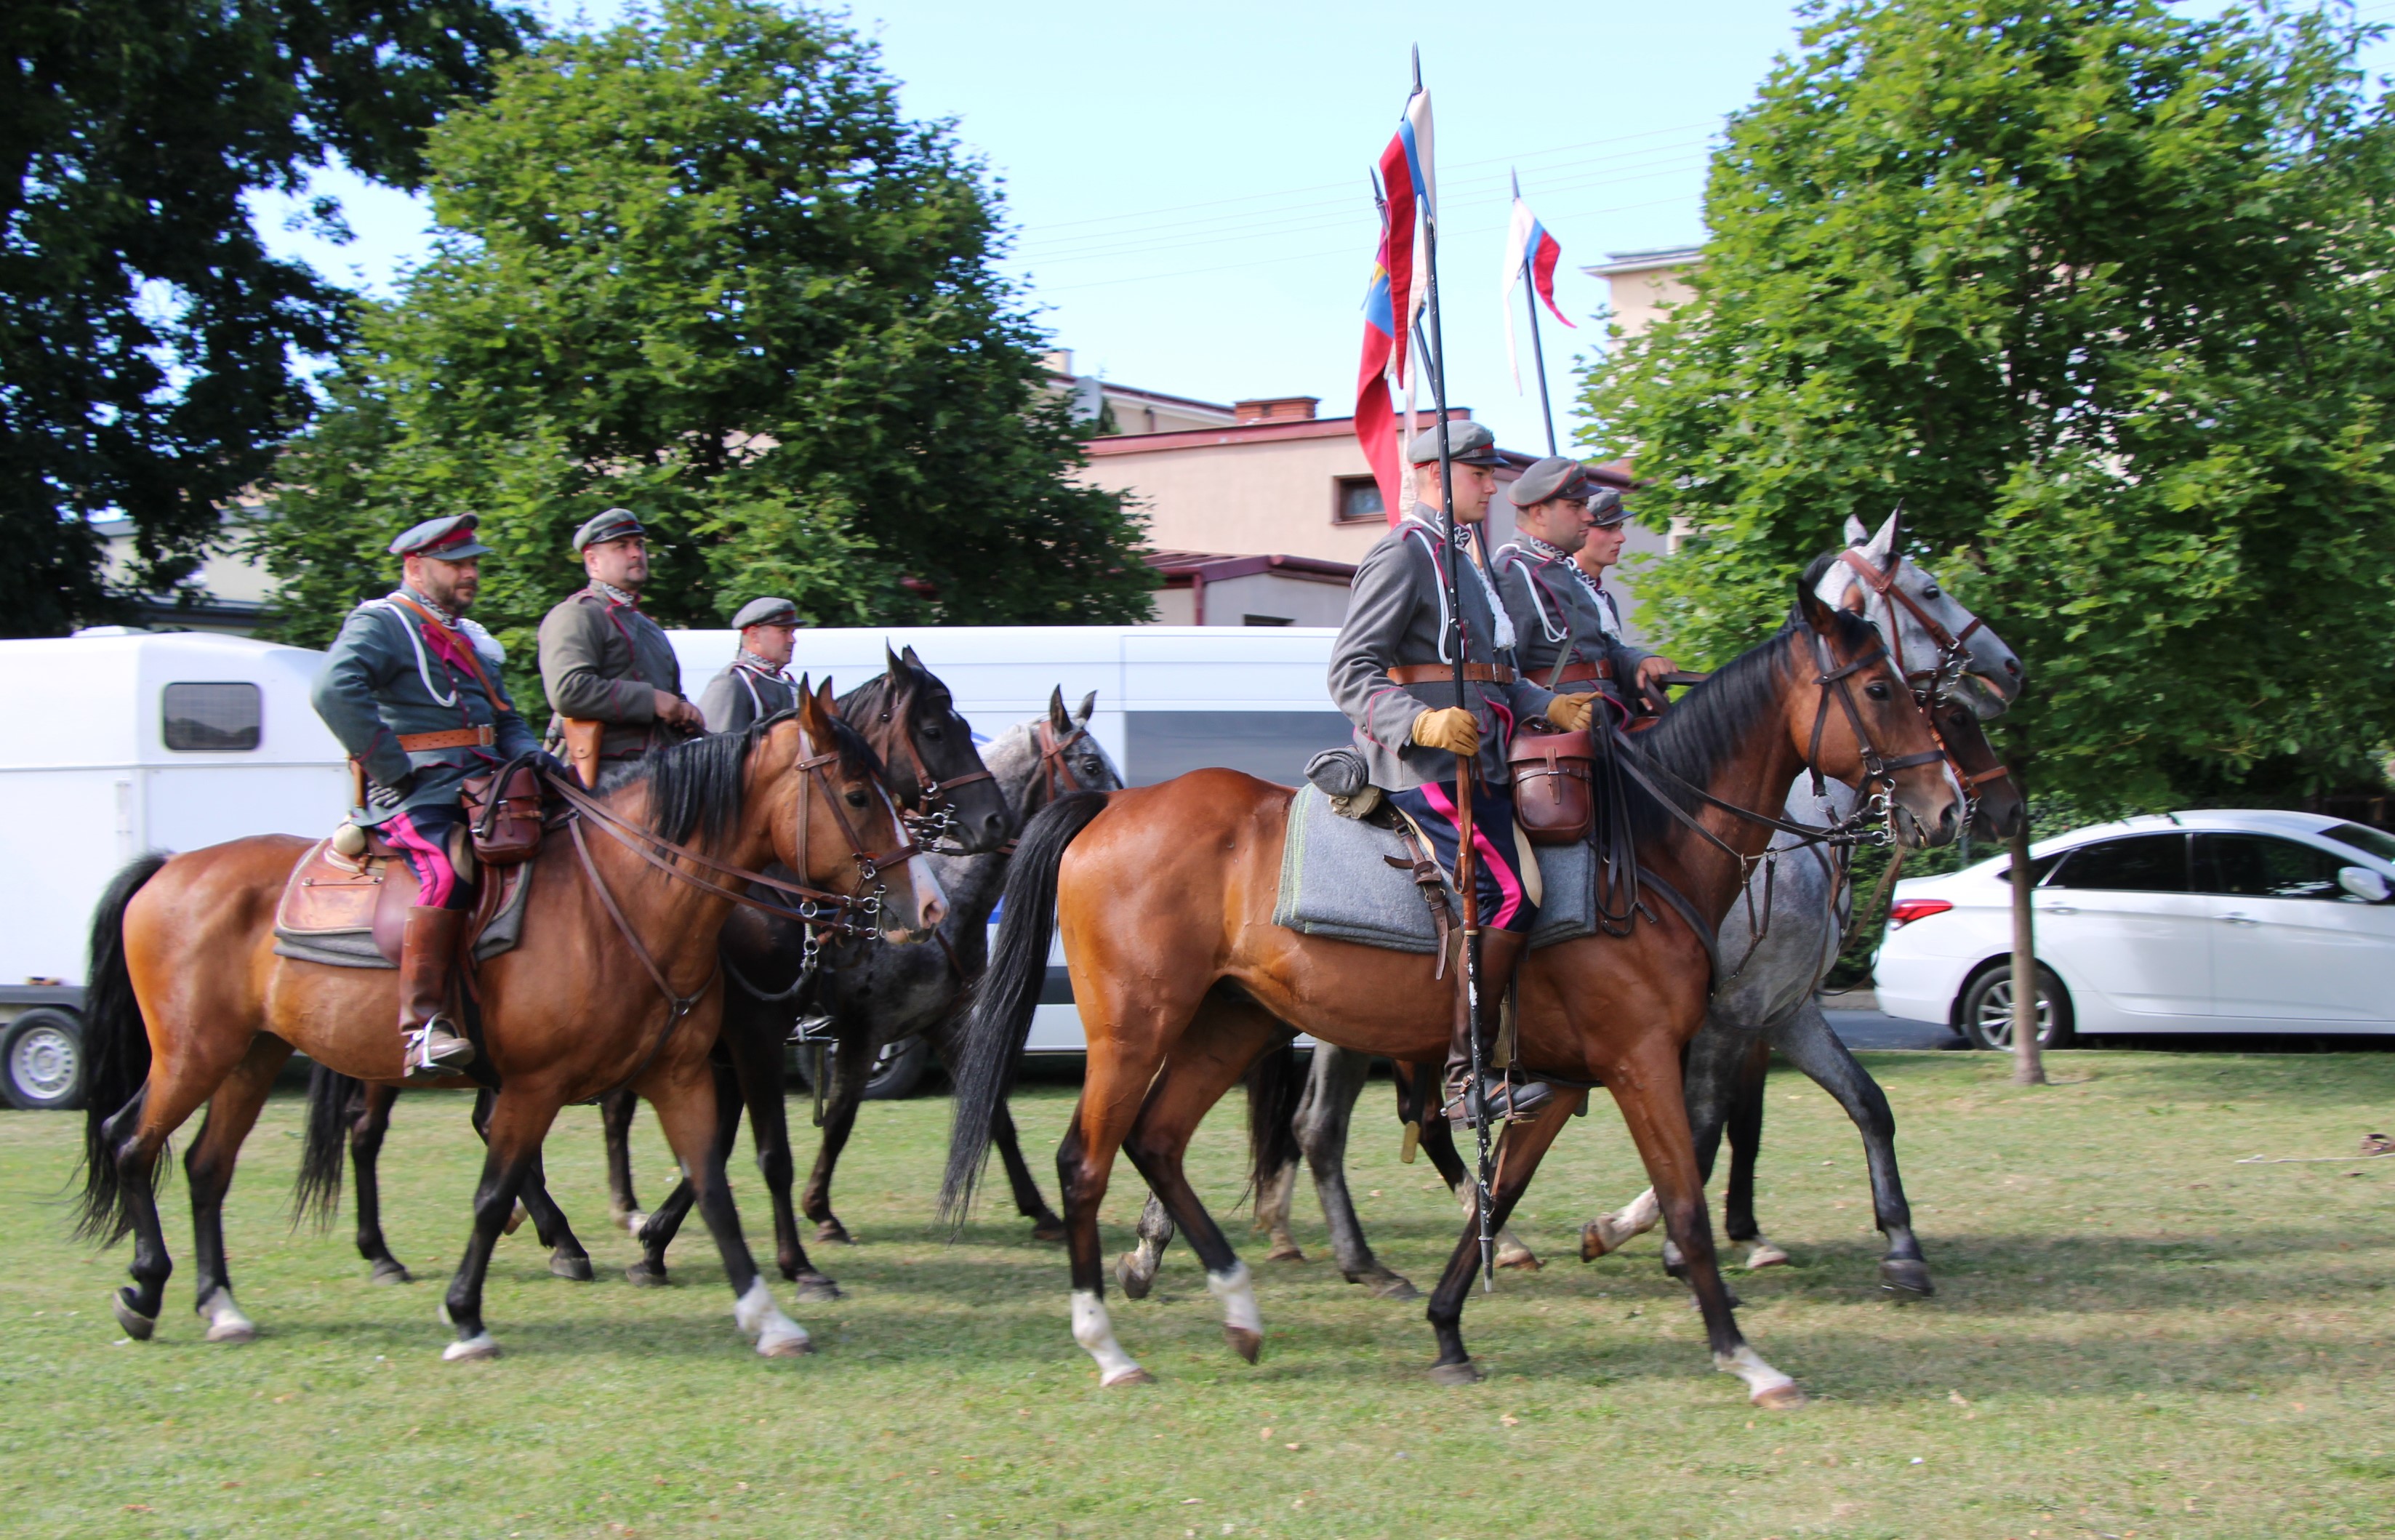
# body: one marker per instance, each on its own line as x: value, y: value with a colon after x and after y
x: 1508, y: 1101
x: 434, y: 1050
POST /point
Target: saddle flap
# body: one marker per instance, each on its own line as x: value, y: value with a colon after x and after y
x: 328, y: 893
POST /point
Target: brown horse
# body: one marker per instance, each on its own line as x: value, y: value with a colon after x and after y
x: 614, y: 982
x: 1165, y: 896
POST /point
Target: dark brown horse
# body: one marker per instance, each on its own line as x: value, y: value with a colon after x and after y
x: 614, y: 982
x: 1164, y: 897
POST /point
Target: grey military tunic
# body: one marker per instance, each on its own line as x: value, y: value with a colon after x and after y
x: 1553, y: 602
x: 1396, y: 614
x: 603, y: 660
x: 749, y: 690
x: 392, y: 673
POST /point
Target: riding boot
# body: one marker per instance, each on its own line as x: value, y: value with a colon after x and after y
x: 1501, y: 952
x: 426, y: 953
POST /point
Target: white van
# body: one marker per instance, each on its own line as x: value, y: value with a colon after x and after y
x: 121, y: 743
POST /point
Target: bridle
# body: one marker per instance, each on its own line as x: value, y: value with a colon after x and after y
x: 934, y: 817
x: 1952, y: 648
x: 1056, y: 777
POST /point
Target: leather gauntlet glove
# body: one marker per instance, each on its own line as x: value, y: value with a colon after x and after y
x: 1450, y: 727
x: 1571, y: 713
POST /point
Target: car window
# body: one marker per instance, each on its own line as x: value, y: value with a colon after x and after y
x: 2362, y: 837
x: 2143, y: 863
x: 2038, y: 868
x: 2255, y: 866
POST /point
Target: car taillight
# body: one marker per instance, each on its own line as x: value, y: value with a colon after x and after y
x: 1904, y: 911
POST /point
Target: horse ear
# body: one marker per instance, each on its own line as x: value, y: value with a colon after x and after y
x: 1887, y: 547
x: 1056, y: 716
x: 1089, y: 703
x: 825, y: 702
x: 1857, y: 532
x: 894, y: 666
x: 907, y: 654
x: 1818, y: 615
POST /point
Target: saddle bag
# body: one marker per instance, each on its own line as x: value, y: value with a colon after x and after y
x: 504, y: 819
x: 1554, y: 785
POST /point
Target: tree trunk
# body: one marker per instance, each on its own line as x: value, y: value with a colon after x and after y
x: 2029, y: 1067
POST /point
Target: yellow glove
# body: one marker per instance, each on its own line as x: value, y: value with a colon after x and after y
x: 1448, y: 727
x: 1571, y: 713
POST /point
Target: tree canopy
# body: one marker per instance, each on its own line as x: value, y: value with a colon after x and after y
x: 2100, y: 294
x: 703, y: 268
x: 148, y: 345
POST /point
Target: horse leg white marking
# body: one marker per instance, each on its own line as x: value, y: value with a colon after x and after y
x: 777, y: 1335
x: 481, y: 1345
x: 1095, y: 1330
x: 1241, y: 1321
x: 226, y: 1323
x: 1764, y: 1254
x: 1765, y: 1385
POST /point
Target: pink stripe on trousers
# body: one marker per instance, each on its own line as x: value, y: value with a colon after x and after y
x: 436, y: 879
x: 1508, y: 885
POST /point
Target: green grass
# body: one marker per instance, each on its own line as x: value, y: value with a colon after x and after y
x: 2132, y: 1334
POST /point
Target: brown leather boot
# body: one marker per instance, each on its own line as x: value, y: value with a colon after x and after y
x: 427, y: 950
x: 1500, y: 953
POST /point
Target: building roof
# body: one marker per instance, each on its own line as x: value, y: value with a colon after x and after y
x: 1619, y: 262
x: 1214, y: 566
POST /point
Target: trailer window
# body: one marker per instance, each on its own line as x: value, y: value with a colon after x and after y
x: 213, y: 718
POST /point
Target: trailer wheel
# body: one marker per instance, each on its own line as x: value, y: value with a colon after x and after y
x: 41, y: 1060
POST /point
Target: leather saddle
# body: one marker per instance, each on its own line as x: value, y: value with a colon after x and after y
x: 336, y: 902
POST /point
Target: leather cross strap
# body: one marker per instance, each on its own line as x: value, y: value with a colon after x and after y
x: 466, y: 652
x: 452, y: 737
x: 1444, y: 673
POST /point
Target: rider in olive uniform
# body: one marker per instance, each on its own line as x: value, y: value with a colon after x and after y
x: 602, y: 660
x: 756, y: 683
x: 1392, y: 672
x: 413, y: 690
x: 1552, y: 603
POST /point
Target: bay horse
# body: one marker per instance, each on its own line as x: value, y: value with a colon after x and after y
x: 1164, y: 898
x: 877, y: 996
x: 614, y: 981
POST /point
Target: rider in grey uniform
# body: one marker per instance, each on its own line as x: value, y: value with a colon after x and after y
x: 602, y: 660
x: 1392, y: 672
x: 1553, y: 603
x: 756, y: 683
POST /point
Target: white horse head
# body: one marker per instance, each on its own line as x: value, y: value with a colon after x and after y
x: 1919, y: 618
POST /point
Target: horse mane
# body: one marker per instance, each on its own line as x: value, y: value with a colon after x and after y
x: 695, y: 785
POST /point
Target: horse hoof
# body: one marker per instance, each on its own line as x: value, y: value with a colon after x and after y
x: 1392, y: 1286
x: 515, y: 1220
x: 1597, y: 1238
x: 1765, y: 1255
x: 473, y: 1349
x: 815, y: 1289
x: 1285, y: 1253
x: 572, y: 1265
x: 232, y: 1332
x: 1136, y: 1282
x: 1051, y: 1230
x: 784, y: 1347
x: 1519, y: 1261
x: 645, y: 1274
x: 223, y: 1318
x: 831, y: 1232
x: 389, y: 1271
x: 1466, y: 1373
x: 1245, y: 1343
x: 1133, y: 1375
x: 137, y: 1325
x: 1906, y: 1275
x: 1779, y: 1397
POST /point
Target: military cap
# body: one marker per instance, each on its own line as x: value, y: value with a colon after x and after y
x: 449, y: 540
x: 1467, y: 443
x: 1604, y: 509
x: 613, y: 524
x: 766, y: 612
x: 1556, y: 476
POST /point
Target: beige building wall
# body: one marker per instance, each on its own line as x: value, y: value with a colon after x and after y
x: 1277, y: 496
x: 1643, y: 283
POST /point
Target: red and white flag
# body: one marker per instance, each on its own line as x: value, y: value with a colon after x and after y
x: 1528, y: 248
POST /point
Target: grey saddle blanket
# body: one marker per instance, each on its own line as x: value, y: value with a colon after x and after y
x: 355, y: 948
x: 1336, y: 881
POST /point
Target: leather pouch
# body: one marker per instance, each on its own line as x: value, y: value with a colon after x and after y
x: 1554, y: 785
x: 511, y: 831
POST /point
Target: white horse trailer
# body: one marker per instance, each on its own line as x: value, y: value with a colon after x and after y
x: 123, y: 743
x: 1170, y: 700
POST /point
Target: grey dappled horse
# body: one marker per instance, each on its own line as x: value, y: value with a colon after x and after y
x: 1771, y: 1004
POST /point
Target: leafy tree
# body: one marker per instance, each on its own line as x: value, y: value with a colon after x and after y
x: 148, y: 342
x: 704, y: 268
x: 2100, y: 293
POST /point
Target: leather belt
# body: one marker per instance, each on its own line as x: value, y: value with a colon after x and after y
x: 1444, y: 673
x: 1583, y: 672
x: 455, y: 737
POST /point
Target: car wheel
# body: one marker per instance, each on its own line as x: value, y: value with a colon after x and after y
x: 1984, y: 1012
x: 41, y: 1060
x: 897, y: 1069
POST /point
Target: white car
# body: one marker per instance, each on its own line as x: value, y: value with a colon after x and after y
x: 2221, y: 920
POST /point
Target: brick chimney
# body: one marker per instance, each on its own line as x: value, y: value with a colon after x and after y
x: 1277, y: 408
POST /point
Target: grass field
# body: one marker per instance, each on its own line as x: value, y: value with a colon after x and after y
x: 2134, y: 1334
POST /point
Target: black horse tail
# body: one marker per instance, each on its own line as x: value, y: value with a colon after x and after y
x: 116, y: 1058
x: 983, y: 1052
x: 316, y: 1194
x: 1276, y: 1084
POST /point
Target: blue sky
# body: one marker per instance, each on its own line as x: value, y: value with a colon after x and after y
x: 1187, y: 185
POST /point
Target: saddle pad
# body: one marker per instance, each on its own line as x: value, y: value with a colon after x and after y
x: 1336, y: 881
x: 327, y: 911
